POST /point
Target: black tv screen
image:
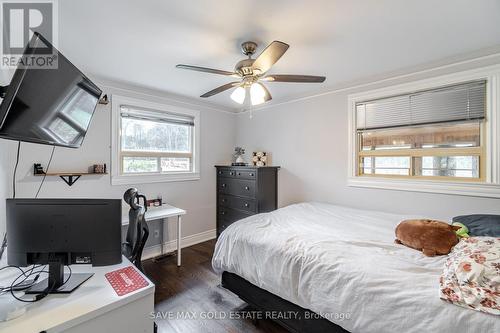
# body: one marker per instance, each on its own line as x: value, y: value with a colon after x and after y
x: 48, y: 105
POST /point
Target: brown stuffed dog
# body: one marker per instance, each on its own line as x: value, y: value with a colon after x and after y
x: 429, y: 236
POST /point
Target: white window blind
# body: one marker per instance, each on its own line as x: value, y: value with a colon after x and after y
x: 462, y: 102
x: 152, y: 115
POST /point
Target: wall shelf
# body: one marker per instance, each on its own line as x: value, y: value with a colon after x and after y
x: 69, y: 177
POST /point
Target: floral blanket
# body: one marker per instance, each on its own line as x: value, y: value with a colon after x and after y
x: 471, y: 275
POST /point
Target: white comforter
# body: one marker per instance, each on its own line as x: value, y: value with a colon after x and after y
x: 342, y: 262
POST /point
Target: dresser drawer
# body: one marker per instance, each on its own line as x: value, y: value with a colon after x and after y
x: 245, y: 174
x: 227, y: 215
x: 245, y: 204
x: 240, y: 187
x: 222, y: 225
x: 226, y: 173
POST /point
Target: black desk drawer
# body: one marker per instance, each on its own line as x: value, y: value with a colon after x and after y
x: 240, y: 187
x: 229, y: 215
x: 245, y: 204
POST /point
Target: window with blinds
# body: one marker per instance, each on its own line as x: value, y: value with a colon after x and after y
x: 433, y: 134
x: 155, y: 142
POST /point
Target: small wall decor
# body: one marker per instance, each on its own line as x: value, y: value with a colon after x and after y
x: 238, y: 155
x: 99, y: 168
x: 259, y: 158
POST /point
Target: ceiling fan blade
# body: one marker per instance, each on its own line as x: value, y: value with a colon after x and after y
x: 207, y: 70
x: 270, y: 56
x: 220, y: 89
x: 294, y: 78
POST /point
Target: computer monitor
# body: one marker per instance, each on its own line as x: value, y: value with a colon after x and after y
x: 58, y: 232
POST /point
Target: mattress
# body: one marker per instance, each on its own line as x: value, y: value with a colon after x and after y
x: 343, y: 264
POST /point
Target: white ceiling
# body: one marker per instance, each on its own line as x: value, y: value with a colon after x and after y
x: 141, y: 41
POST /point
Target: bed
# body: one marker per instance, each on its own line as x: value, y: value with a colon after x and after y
x: 343, y: 264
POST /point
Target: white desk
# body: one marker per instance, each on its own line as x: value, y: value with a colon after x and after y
x: 163, y: 213
x: 92, y: 307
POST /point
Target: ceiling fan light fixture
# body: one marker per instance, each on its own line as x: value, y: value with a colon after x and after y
x: 239, y: 95
x: 248, y: 91
x: 257, y: 94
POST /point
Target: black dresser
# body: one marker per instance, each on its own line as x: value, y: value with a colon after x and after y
x: 244, y: 191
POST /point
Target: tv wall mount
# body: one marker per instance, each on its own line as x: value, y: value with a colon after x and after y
x: 3, y: 91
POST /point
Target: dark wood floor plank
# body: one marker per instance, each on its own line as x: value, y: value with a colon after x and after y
x: 194, y: 288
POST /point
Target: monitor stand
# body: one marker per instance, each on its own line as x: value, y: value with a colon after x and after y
x: 58, y: 282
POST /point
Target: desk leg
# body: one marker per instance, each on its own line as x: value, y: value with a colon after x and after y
x: 163, y: 222
x: 179, y: 236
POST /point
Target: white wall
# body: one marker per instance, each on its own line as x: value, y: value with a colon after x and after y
x: 308, y: 139
x: 197, y: 197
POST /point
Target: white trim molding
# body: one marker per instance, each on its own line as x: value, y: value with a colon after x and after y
x: 117, y: 178
x: 490, y: 188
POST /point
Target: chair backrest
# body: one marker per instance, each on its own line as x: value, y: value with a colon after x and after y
x: 136, y: 221
x: 138, y: 230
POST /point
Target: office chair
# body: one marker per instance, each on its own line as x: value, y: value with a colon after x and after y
x: 138, y: 231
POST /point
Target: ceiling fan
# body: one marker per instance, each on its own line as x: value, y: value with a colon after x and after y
x: 252, y: 72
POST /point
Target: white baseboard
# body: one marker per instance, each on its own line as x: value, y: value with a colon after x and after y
x: 171, y: 246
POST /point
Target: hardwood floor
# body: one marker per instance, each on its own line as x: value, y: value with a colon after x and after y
x: 187, y: 297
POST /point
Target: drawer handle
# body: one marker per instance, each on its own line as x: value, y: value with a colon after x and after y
x: 247, y: 188
x: 247, y: 205
x: 251, y: 175
x: 223, y: 185
x: 239, y: 173
x: 220, y: 172
x: 223, y: 213
x: 223, y: 200
x: 231, y: 173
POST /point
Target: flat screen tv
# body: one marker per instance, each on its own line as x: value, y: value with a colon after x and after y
x: 51, y: 106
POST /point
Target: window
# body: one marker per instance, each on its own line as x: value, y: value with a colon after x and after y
x: 435, y: 135
x: 439, y: 151
x: 154, y: 142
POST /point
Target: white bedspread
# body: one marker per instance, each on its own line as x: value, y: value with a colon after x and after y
x: 341, y: 262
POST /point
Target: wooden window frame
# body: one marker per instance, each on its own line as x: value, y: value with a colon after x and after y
x: 421, y: 152
x: 487, y: 185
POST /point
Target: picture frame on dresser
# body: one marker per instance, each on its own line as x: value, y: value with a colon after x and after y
x: 243, y: 191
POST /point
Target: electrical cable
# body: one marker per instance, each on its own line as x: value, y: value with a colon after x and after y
x: 69, y: 276
x: 12, y: 266
x: 41, y: 296
x: 37, y: 298
x: 46, y: 170
x: 26, y: 276
x: 15, y: 170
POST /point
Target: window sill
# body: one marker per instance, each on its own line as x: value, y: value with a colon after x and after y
x: 153, y: 178
x: 486, y: 190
